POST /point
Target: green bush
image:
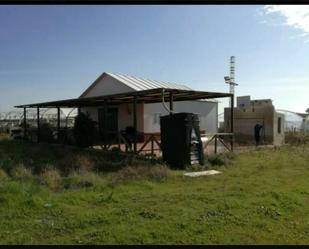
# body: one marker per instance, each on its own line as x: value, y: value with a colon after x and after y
x: 84, y: 131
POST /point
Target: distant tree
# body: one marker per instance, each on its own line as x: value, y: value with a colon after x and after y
x: 307, y: 110
x: 84, y: 131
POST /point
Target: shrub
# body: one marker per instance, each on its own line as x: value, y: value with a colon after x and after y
x: 51, y: 178
x: 216, y: 160
x: 46, y: 133
x: 221, y: 159
x: 20, y: 172
x: 84, y: 130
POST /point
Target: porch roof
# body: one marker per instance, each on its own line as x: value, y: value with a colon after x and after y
x: 145, y: 96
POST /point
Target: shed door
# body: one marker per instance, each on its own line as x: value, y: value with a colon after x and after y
x: 111, y: 122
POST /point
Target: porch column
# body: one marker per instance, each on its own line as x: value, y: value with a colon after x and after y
x: 25, y: 123
x: 171, y: 103
x: 135, y: 122
x: 38, y: 123
x: 232, y: 121
x: 104, y: 124
x: 58, y: 123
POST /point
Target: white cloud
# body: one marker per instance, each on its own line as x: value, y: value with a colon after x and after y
x: 295, y: 16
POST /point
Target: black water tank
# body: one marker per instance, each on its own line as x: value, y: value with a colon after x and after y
x: 180, y: 139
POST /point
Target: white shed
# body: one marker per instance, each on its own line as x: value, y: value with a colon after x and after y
x: 148, y: 115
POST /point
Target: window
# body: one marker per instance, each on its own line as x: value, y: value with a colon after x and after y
x: 279, y: 125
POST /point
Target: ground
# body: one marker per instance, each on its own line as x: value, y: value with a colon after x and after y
x: 261, y: 197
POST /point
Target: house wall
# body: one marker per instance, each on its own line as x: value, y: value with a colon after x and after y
x: 245, y: 120
x: 208, y: 114
x: 279, y: 137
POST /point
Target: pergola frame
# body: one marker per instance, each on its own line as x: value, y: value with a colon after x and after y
x: 157, y: 95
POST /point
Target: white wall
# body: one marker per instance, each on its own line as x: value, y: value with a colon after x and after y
x: 208, y: 112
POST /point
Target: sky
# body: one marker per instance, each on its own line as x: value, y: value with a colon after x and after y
x: 55, y: 52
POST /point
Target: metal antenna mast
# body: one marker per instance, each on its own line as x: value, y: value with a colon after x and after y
x: 231, y: 79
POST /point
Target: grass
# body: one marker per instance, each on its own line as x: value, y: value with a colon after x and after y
x: 261, y: 197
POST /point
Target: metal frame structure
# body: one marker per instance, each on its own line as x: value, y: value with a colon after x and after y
x: 156, y: 95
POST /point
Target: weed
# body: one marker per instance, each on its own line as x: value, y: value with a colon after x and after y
x: 143, y: 172
x: 51, y: 178
x: 20, y: 172
x: 77, y: 180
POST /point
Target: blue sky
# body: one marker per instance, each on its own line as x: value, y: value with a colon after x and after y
x: 55, y: 52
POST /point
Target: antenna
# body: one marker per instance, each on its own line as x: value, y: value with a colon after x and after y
x: 231, y: 79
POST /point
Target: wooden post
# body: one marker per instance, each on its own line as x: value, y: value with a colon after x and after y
x: 58, y: 123
x: 232, y: 122
x: 152, y: 151
x: 38, y: 123
x: 216, y: 143
x: 104, y: 124
x: 135, y: 123
x: 171, y: 103
x: 25, y: 123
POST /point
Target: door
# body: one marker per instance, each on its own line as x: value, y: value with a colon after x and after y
x: 111, y: 124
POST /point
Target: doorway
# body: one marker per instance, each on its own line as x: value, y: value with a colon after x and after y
x: 111, y: 123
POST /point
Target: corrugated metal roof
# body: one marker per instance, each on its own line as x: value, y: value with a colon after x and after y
x: 140, y: 84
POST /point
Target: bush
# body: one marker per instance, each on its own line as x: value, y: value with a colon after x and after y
x: 216, y: 160
x: 46, y: 133
x: 221, y: 159
x: 84, y: 131
x: 22, y: 173
x: 51, y: 178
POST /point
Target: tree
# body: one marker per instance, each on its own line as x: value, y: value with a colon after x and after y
x: 307, y: 110
x: 84, y: 131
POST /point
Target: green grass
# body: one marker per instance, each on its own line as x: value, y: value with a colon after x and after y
x: 262, y: 198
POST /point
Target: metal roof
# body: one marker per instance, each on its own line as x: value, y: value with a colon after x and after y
x: 136, y: 83
x: 145, y: 96
x: 140, y: 84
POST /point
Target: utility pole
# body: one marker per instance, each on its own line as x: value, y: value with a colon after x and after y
x: 231, y: 79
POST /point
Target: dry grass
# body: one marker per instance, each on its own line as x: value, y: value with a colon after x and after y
x: 51, y: 178
x: 21, y: 172
x: 142, y: 172
x: 297, y: 138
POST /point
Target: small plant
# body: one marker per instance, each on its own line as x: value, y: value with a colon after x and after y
x: 216, y: 160
x: 78, y: 180
x: 20, y: 172
x: 51, y: 178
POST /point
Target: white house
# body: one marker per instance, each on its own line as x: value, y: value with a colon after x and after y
x: 148, y: 115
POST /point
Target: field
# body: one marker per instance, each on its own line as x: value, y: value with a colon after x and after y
x: 61, y: 195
